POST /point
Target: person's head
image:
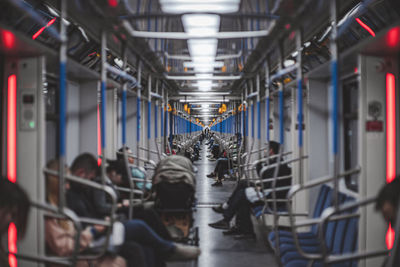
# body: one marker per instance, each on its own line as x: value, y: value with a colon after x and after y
x: 14, y: 207
x: 85, y: 166
x: 115, y: 171
x: 273, y: 148
x: 388, y: 199
x: 52, y: 182
x: 129, y: 153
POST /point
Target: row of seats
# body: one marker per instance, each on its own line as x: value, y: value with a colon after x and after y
x: 340, y: 236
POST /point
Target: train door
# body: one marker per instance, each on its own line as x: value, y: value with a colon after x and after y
x: 350, y: 129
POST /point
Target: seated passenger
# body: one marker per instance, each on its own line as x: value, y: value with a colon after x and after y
x: 239, y: 205
x: 135, y: 171
x: 115, y: 171
x: 85, y: 166
x: 60, y: 234
x: 221, y: 168
x: 14, y: 207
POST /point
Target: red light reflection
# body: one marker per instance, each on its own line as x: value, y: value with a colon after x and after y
x: 39, y: 32
x: 8, y: 39
x: 112, y: 3
x: 365, y: 26
x: 393, y: 37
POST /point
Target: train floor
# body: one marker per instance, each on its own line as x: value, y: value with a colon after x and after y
x: 219, y: 250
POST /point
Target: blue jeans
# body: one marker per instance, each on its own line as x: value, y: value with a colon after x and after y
x: 140, y: 232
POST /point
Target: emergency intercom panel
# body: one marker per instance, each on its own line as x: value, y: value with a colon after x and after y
x: 28, y: 111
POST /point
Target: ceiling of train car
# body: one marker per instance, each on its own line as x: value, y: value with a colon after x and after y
x: 204, y: 52
x: 204, y: 68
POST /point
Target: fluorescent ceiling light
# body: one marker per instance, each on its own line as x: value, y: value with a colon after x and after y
x: 199, y: 6
x: 205, y: 110
x: 205, y: 105
x: 202, y: 100
x: 204, y: 94
x: 215, y: 64
x: 202, y: 47
x: 200, y: 21
x: 119, y: 62
x: 288, y: 63
x: 200, y: 25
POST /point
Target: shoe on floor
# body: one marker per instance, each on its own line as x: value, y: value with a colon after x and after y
x: 184, y: 253
x: 211, y: 175
x: 232, y: 231
x: 217, y: 183
x: 212, y: 159
x: 222, y: 224
x: 218, y: 209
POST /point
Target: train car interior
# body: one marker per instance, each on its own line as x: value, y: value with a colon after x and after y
x: 210, y: 133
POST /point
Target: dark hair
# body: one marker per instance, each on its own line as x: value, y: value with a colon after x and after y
x: 274, y: 146
x: 15, y: 199
x: 85, y: 161
x: 116, y: 165
x: 119, y: 155
x: 389, y: 193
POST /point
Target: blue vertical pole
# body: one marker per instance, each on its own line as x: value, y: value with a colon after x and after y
x: 267, y: 114
x: 138, y: 118
x: 162, y: 120
x: 252, y: 120
x: 123, y: 115
x: 258, y: 121
x: 62, y: 107
x: 267, y: 102
x: 156, y: 120
x: 149, y: 120
x: 299, y: 44
x: 138, y: 108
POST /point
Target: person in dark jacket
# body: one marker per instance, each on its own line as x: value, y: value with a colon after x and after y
x: 239, y: 205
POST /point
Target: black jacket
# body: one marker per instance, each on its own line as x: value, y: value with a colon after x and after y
x: 284, y: 170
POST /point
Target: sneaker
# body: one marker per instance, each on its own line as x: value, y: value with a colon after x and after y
x: 212, y: 159
x: 218, y: 209
x: 232, y: 231
x: 184, y: 253
x: 211, y: 175
x: 217, y: 183
x: 222, y: 224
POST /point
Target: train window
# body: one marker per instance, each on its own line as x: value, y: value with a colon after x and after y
x: 350, y: 128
